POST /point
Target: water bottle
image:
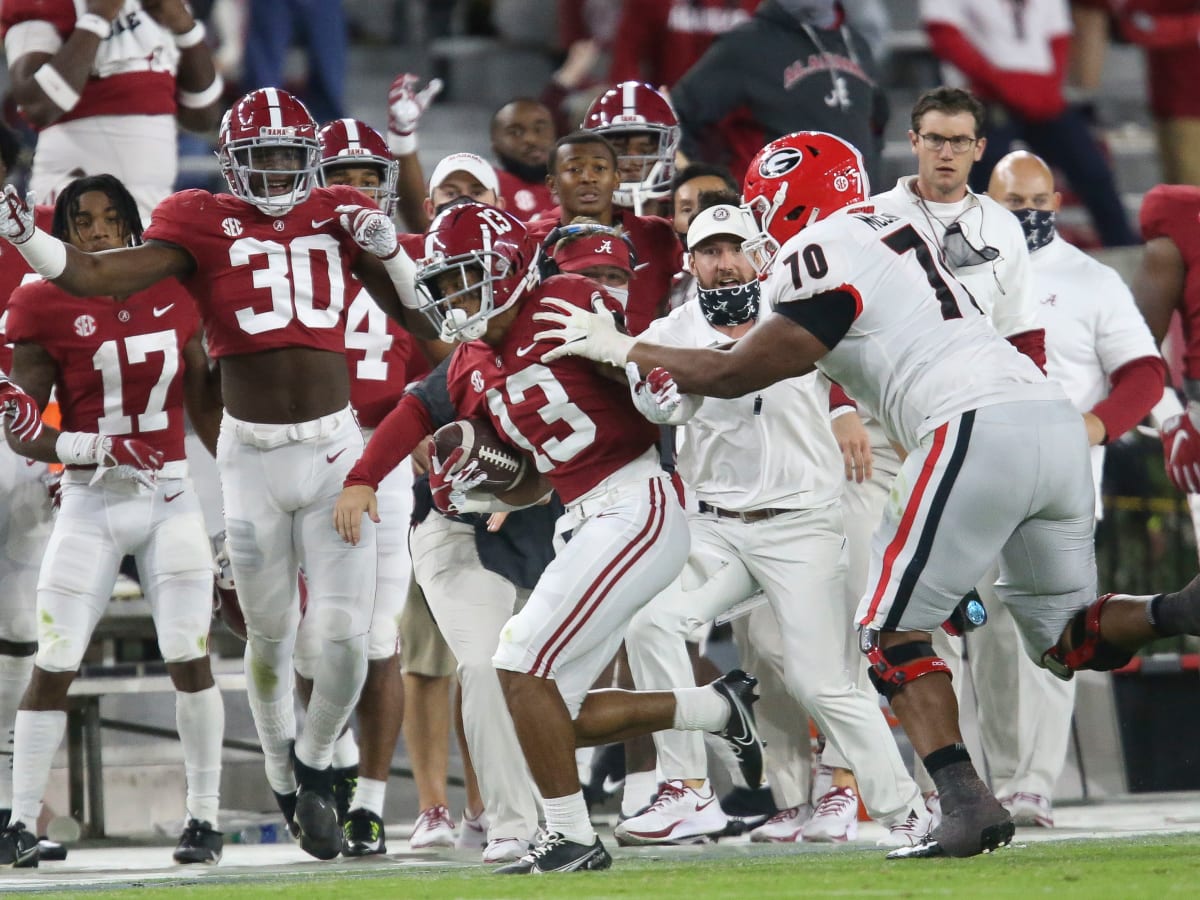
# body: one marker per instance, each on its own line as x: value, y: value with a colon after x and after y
x: 251, y: 834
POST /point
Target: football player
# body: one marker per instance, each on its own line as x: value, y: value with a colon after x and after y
x: 997, y: 457
x: 125, y: 368
x: 271, y: 267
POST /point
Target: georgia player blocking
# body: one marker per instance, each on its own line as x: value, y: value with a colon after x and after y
x: 628, y: 535
x: 997, y: 462
x: 124, y: 369
x: 270, y: 268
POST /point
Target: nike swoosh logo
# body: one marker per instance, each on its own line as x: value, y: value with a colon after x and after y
x: 170, y: 497
x: 522, y: 351
x: 330, y: 459
x: 162, y: 312
x: 700, y: 807
x: 322, y: 222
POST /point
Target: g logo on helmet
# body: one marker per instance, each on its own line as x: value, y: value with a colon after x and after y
x: 779, y: 163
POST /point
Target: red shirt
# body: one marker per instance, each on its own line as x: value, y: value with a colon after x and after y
x: 15, y: 271
x: 1173, y: 211
x: 658, y: 40
x: 526, y: 200
x: 264, y: 282
x: 579, y: 426
x: 120, y: 363
x: 659, y: 258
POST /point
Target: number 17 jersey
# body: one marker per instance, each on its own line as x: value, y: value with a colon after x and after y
x: 907, y: 340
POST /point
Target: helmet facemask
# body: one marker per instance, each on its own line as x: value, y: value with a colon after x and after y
x: 275, y: 173
x: 653, y: 171
x: 446, y: 284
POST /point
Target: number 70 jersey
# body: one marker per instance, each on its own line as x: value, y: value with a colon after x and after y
x: 917, y: 350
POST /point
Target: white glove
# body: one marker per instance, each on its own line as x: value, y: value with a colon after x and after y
x: 371, y: 229
x: 16, y: 216
x: 405, y: 107
x: 592, y: 335
x: 657, y: 396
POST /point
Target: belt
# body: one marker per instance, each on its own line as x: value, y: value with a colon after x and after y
x: 750, y: 515
x: 268, y: 437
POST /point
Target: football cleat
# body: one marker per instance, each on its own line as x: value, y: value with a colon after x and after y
x: 363, y: 834
x: 909, y: 832
x: 503, y: 850
x: 472, y: 832
x: 199, y: 843
x: 679, y: 815
x: 316, y: 811
x: 434, y: 828
x: 1028, y: 809
x: 554, y: 853
x: 740, y: 732
x: 344, y: 782
x: 835, y: 818
x: 785, y: 827
x: 747, y: 808
x: 966, y: 830
x: 19, y: 847
x: 287, y: 806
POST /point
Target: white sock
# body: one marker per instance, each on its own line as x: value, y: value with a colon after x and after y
x: 368, y: 795
x: 340, y: 674
x: 14, y: 678
x: 569, y: 817
x: 345, y: 751
x: 37, y: 736
x: 640, y: 788
x: 583, y: 762
x: 700, y: 709
x: 322, y: 723
x: 269, y: 693
x: 200, y: 718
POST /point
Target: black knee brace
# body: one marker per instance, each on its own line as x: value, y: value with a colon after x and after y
x: 1080, y: 645
x: 17, y: 648
x: 894, y: 667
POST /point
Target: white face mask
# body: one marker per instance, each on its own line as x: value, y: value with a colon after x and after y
x: 620, y: 294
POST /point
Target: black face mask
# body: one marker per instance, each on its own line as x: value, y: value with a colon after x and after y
x: 524, y: 171
x: 1038, y: 225
x: 961, y: 253
x: 729, y: 305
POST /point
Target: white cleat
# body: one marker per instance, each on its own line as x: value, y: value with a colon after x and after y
x: 504, y: 850
x: 835, y: 820
x: 472, y: 833
x: 679, y: 815
x: 1029, y: 809
x: 909, y: 832
x: 434, y: 828
x: 784, y: 827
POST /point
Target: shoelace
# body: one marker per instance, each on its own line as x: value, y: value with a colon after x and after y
x: 668, y: 793
x: 433, y: 816
x: 784, y: 814
x: 835, y: 803
x: 909, y: 825
x: 549, y: 841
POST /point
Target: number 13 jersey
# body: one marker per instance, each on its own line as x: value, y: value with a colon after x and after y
x: 907, y: 340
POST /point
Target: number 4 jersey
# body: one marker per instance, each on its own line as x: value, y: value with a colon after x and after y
x: 120, y: 366
x: 907, y: 340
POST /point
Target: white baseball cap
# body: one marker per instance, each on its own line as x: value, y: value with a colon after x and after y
x: 723, y: 219
x: 475, y: 166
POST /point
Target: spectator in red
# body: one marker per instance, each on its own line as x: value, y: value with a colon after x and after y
x: 658, y: 40
x: 1015, y: 57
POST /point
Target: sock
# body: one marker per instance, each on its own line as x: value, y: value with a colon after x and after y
x: 345, y: 751
x: 640, y: 788
x: 569, y: 817
x: 14, y: 678
x: 1174, y: 614
x: 339, y: 680
x: 269, y: 693
x: 368, y: 795
x: 37, y: 734
x: 200, y: 718
x: 956, y: 779
x: 700, y: 709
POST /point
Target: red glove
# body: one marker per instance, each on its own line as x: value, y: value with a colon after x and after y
x: 21, y: 410
x: 132, y: 452
x: 1181, y: 451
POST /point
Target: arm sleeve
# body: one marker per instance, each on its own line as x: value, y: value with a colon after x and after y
x: 1032, y: 344
x: 1134, y: 390
x: 839, y: 398
x: 828, y: 315
x: 395, y: 438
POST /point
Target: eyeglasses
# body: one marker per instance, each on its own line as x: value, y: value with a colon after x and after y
x: 960, y: 254
x: 959, y: 143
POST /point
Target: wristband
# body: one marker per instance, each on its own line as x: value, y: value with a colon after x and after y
x: 201, y: 99
x: 79, y: 448
x: 840, y: 411
x: 191, y: 37
x: 46, y: 255
x: 96, y: 24
x: 56, y: 88
x: 402, y: 144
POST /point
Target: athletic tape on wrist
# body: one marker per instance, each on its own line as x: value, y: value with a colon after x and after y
x: 56, y: 88
x: 79, y: 448
x: 402, y: 144
x: 96, y: 24
x: 403, y: 272
x: 201, y: 99
x: 191, y: 37
x: 46, y: 255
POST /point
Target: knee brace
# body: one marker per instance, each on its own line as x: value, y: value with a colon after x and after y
x: 892, y: 668
x: 1080, y: 645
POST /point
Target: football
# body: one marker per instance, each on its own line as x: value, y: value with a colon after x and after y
x: 504, y: 465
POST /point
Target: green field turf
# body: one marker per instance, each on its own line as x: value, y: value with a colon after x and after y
x: 1130, y: 869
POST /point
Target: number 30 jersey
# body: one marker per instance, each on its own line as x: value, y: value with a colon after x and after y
x: 264, y: 282
x: 120, y: 363
x: 578, y: 425
x: 907, y: 339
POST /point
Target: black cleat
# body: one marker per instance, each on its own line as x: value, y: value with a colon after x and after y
x: 19, y: 847
x: 363, y: 834
x: 554, y: 853
x: 740, y: 732
x: 747, y: 809
x: 316, y: 811
x: 51, y: 851
x: 344, y: 782
x: 966, y: 831
x: 199, y: 843
x: 287, y: 806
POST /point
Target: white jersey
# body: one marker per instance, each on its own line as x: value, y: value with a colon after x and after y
x: 1001, y: 288
x: 919, y: 351
x: 1092, y: 328
x: 772, y: 449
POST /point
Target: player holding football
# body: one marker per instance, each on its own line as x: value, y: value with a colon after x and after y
x: 270, y: 269
x: 124, y: 368
x: 997, y: 462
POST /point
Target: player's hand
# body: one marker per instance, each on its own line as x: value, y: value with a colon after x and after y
x: 16, y: 216
x: 451, y: 484
x: 131, y: 458
x: 592, y: 335
x: 53, y: 484
x: 855, y: 444
x: 1181, y: 449
x: 354, y: 501
x: 406, y: 105
x: 656, y: 396
x: 20, y: 410
x: 371, y: 229
x: 173, y: 15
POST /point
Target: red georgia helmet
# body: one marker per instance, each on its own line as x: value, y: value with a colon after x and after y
x: 470, y: 236
x: 796, y: 180
x: 636, y: 108
x: 268, y: 150
x: 351, y: 143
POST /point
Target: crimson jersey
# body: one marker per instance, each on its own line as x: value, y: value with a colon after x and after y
x: 527, y: 200
x: 120, y: 363
x: 264, y: 282
x: 659, y: 258
x: 14, y: 271
x: 1173, y: 211
x: 579, y: 426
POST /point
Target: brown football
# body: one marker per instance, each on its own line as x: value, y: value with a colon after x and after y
x: 504, y: 465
